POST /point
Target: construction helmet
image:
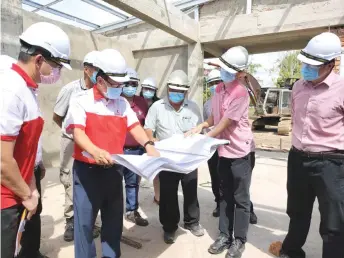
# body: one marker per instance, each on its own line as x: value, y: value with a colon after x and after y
x: 6, y: 62
x: 149, y: 83
x: 213, y: 76
x: 132, y: 74
x: 90, y: 57
x: 178, y: 80
x: 49, y: 37
x: 321, y: 49
x: 234, y: 60
x: 113, y: 64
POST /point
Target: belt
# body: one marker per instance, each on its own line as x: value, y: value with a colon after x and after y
x: 100, y: 166
x: 337, y: 154
x: 133, y: 148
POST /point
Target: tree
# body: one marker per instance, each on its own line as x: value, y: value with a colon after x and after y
x: 253, y: 68
x: 289, y: 67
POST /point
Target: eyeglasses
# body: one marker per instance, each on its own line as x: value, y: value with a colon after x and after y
x: 53, y: 63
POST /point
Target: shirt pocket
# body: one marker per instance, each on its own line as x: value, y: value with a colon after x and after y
x: 186, y: 123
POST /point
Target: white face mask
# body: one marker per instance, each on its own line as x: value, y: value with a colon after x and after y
x: 53, y: 77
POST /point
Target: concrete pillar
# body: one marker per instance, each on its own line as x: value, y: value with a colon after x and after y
x: 339, y: 66
x: 11, y: 26
x: 195, y: 73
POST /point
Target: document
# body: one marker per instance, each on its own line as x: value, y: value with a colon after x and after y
x: 177, y: 154
x: 21, y: 229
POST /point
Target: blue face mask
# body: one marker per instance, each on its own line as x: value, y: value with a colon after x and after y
x: 148, y: 94
x: 113, y: 93
x: 176, y: 97
x: 212, y: 90
x: 129, y: 91
x: 227, y: 76
x: 93, y: 78
x: 309, y: 72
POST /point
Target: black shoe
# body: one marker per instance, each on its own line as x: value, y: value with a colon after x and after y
x: 169, y: 237
x: 195, y: 229
x: 236, y: 249
x: 68, y: 235
x: 216, y: 212
x: 221, y: 243
x: 253, y: 218
x: 96, y: 231
x: 135, y: 217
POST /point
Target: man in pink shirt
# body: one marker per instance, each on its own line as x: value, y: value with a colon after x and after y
x: 230, y: 119
x: 132, y: 147
x: 316, y: 159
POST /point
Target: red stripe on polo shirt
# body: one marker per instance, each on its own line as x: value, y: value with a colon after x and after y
x: 8, y: 138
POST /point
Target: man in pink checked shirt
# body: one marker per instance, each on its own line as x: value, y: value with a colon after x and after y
x: 230, y: 119
x: 316, y: 159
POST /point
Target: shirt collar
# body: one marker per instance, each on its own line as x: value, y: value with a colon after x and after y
x: 97, y: 94
x: 29, y: 81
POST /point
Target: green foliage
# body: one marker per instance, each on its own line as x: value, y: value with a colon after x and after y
x: 253, y: 68
x: 206, y: 91
x: 289, y: 67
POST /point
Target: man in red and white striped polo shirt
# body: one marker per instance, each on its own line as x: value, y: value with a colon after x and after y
x: 45, y: 48
x: 99, y: 121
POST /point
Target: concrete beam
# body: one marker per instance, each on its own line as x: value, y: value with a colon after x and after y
x: 213, y: 50
x: 163, y: 16
x: 294, y: 18
x: 195, y: 73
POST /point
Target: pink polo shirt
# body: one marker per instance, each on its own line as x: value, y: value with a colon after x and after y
x: 318, y: 115
x: 232, y: 102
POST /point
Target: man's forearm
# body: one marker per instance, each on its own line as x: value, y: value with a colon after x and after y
x: 224, y: 123
x: 13, y: 180
x: 140, y: 135
x: 82, y: 140
x: 208, y: 123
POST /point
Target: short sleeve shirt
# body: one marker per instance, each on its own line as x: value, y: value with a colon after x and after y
x: 105, y: 121
x: 232, y: 102
x: 20, y: 121
x: 69, y: 91
x: 318, y: 115
x: 165, y: 121
x: 140, y: 107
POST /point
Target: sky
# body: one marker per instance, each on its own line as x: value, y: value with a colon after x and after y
x: 97, y: 16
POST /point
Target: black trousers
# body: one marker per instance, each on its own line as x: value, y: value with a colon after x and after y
x: 310, y: 178
x: 215, y: 181
x: 168, y: 208
x: 31, y: 239
x: 235, y: 180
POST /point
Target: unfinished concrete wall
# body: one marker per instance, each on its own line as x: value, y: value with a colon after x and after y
x: 82, y: 42
x: 160, y: 63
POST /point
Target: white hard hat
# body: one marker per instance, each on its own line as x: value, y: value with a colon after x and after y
x: 132, y: 74
x: 234, y: 60
x: 149, y: 83
x: 91, y: 57
x: 51, y: 38
x: 321, y: 49
x: 6, y: 62
x: 214, y: 75
x: 113, y: 64
x: 178, y: 80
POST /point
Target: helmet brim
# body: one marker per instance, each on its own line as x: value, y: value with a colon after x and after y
x: 67, y: 66
x: 307, y: 60
x: 120, y: 79
x: 177, y: 88
x: 149, y: 87
x: 225, y: 67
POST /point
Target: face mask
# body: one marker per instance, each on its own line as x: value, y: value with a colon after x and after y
x: 113, y: 93
x: 176, y: 97
x: 310, y: 73
x: 93, y: 77
x: 212, y: 90
x: 53, y: 77
x: 129, y: 91
x: 147, y: 94
x: 227, y: 76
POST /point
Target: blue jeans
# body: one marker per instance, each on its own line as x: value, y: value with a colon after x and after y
x: 97, y: 188
x: 131, y: 183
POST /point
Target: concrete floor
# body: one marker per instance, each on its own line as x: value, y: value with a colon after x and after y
x: 268, y: 195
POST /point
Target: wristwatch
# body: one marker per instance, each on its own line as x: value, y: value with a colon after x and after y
x: 148, y: 142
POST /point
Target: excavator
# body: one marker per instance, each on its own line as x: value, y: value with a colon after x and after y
x: 272, y: 105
